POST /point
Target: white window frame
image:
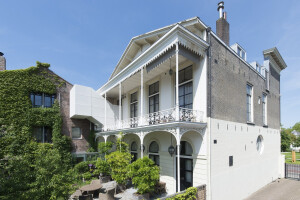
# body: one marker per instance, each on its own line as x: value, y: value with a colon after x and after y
x: 135, y: 102
x: 149, y: 96
x: 80, y: 133
x: 251, y: 120
x: 265, y: 109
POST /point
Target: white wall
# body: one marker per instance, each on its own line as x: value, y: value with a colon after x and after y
x: 85, y: 102
x: 251, y: 170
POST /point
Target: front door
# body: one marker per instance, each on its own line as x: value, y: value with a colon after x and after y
x: 186, y: 173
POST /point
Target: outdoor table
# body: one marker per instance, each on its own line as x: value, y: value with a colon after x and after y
x: 91, y: 188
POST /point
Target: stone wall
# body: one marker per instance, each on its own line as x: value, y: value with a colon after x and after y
x: 201, y: 193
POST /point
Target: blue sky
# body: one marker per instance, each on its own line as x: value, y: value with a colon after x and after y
x: 84, y: 39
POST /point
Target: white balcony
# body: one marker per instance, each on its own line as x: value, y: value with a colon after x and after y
x: 157, y: 118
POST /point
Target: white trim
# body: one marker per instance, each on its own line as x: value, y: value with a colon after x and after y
x: 176, y: 34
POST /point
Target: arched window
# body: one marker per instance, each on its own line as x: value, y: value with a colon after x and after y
x: 185, y: 149
x: 260, y: 144
x: 153, y: 152
x: 133, y: 149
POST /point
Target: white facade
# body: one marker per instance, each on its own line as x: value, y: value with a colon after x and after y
x: 158, y: 57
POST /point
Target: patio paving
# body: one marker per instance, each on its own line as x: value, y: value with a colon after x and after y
x: 282, y: 189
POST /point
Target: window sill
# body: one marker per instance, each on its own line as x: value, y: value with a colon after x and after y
x: 77, y: 138
x: 250, y: 123
x: 265, y: 126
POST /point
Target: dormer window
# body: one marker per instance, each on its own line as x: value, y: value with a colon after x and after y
x: 240, y: 51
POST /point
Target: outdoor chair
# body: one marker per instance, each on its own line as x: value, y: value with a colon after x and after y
x: 108, y: 194
x: 86, y: 197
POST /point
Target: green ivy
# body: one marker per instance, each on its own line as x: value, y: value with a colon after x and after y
x: 29, y: 170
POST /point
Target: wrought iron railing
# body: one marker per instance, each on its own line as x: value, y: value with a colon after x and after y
x: 160, y: 117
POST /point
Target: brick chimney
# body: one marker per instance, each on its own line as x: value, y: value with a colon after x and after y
x: 222, y: 24
x: 2, y: 62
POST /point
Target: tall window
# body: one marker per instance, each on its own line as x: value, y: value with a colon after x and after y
x: 133, y: 149
x: 154, y: 97
x: 249, y: 103
x: 42, y: 100
x: 264, y: 108
x: 133, y: 105
x: 186, y: 88
x: 43, y: 134
x: 153, y: 152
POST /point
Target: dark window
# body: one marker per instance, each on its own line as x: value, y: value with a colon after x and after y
x: 76, y: 133
x: 42, y: 100
x: 153, y: 152
x: 249, y: 103
x: 43, y: 134
x: 185, y: 149
x: 133, y: 105
x: 230, y: 161
x: 186, y: 88
x: 154, y: 97
x: 133, y: 149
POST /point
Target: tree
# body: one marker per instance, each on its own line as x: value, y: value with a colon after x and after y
x: 285, y: 140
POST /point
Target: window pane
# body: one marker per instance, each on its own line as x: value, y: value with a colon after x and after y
x: 47, y: 135
x: 153, y: 148
x: 157, y: 160
x: 189, y: 88
x: 47, y: 101
x: 133, y: 146
x: 32, y: 98
x: 76, y: 132
x: 188, y: 73
x: 133, y: 97
x: 38, y: 100
x: 38, y: 134
x: 181, y: 90
x: 188, y: 165
x: 181, y: 76
x: 156, y: 89
x: 188, y: 177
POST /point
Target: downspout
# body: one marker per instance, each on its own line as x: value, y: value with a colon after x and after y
x: 209, y: 103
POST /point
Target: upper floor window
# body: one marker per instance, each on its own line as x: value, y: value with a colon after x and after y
x: 43, y: 134
x: 154, y: 97
x: 264, y: 108
x: 42, y: 100
x: 133, y: 105
x: 249, y: 103
x: 76, y: 133
x: 186, y: 88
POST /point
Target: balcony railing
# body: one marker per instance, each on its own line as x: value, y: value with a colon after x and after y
x: 160, y: 117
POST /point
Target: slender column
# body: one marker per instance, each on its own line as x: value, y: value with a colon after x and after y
x: 105, y: 121
x: 177, y: 83
x: 120, y: 104
x: 178, y: 158
x: 142, y: 144
x: 142, y: 96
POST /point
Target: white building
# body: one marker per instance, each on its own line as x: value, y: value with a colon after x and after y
x: 182, y: 88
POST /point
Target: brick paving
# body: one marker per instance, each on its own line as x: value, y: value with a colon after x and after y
x: 282, y: 189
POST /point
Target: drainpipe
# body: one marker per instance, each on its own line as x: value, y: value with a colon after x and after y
x: 209, y: 106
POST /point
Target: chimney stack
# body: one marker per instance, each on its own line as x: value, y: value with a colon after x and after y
x: 222, y: 24
x: 2, y: 62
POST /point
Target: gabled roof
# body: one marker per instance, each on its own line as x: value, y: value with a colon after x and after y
x: 274, y: 53
x: 136, y: 43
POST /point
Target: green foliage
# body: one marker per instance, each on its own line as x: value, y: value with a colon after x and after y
x: 102, y: 167
x: 105, y: 148
x: 144, y: 174
x: 29, y: 170
x: 118, y: 162
x: 285, y: 140
x: 81, y: 167
x: 87, y: 176
x: 189, y: 194
x: 92, y: 142
x: 121, y: 145
x: 296, y: 127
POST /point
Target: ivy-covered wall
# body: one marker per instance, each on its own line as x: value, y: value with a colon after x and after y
x: 30, y: 170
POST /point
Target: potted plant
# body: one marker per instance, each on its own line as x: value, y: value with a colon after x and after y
x: 102, y: 169
x: 145, y: 175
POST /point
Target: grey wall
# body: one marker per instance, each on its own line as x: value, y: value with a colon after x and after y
x: 229, y: 77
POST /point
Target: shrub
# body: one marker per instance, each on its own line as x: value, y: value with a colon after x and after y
x: 102, y: 167
x: 144, y: 174
x: 118, y: 162
x: 87, y: 176
x: 105, y: 148
x: 82, y: 167
x: 190, y: 194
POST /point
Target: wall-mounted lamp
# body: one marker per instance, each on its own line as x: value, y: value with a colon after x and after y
x: 171, y: 150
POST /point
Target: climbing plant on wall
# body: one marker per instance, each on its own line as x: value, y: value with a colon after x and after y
x: 31, y: 170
